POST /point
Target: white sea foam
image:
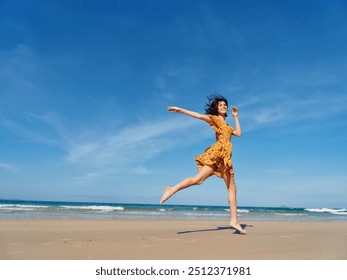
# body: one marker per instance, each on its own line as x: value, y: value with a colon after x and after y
x: 143, y: 213
x: 12, y: 209
x: 238, y: 210
x: 290, y: 214
x: 201, y: 214
x: 95, y: 208
x: 328, y: 210
x: 21, y: 206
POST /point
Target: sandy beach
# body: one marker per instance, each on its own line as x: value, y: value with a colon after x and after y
x: 70, y: 239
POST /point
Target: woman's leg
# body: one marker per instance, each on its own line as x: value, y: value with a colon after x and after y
x: 198, y: 179
x: 231, y: 187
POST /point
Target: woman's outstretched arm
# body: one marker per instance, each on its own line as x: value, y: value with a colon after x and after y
x: 190, y: 113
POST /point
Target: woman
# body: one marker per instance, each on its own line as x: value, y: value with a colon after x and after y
x: 217, y: 158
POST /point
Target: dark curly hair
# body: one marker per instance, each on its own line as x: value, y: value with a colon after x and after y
x: 211, y: 107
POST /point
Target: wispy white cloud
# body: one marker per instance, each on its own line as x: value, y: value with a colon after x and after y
x: 128, y: 150
x: 285, y: 108
x: 129, y: 147
x: 96, y: 153
x: 8, y: 167
x: 269, y: 116
x: 26, y: 126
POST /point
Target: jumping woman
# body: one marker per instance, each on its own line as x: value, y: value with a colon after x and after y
x: 217, y: 158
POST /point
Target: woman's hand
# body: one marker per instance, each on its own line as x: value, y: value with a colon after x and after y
x: 234, y: 111
x: 173, y: 109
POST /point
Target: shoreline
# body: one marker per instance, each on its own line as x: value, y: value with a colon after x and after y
x: 141, y: 239
x: 14, y: 209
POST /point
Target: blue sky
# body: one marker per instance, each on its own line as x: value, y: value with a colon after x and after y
x: 85, y: 85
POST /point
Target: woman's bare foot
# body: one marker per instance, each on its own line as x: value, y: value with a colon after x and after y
x: 166, y: 195
x: 238, y: 227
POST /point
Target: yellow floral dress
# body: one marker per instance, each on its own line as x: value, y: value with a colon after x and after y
x: 218, y: 156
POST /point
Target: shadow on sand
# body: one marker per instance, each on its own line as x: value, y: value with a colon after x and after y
x: 215, y: 229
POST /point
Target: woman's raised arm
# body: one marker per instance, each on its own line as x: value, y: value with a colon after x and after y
x: 190, y: 113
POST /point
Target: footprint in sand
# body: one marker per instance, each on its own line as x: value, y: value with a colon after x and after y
x: 79, y: 243
x: 64, y: 240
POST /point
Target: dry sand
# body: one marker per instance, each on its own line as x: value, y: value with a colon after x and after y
x: 58, y: 239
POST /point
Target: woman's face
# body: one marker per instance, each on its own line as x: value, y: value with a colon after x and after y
x: 222, y: 107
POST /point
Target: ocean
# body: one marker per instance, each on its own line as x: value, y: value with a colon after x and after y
x: 88, y: 210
